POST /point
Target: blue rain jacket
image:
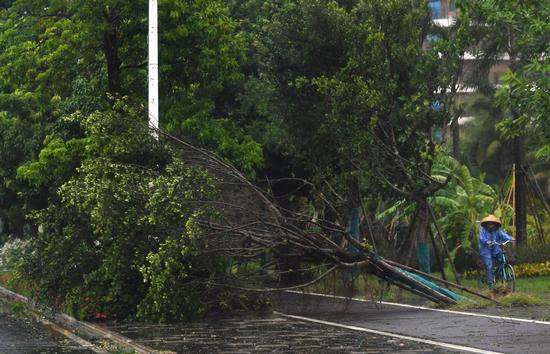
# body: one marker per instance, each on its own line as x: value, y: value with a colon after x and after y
x: 485, y: 236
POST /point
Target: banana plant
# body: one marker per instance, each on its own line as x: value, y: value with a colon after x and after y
x: 461, y: 203
x: 459, y: 206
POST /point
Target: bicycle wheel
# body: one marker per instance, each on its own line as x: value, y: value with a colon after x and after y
x: 510, y: 277
x: 505, y: 279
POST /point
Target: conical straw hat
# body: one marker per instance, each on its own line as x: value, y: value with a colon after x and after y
x: 491, y: 218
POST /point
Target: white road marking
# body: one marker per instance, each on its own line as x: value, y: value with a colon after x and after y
x: 427, y: 308
x: 388, y: 334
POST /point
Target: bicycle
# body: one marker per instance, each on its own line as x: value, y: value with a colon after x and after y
x: 503, y: 272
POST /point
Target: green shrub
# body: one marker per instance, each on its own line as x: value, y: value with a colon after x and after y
x: 524, y: 270
x: 18, y: 308
x: 122, y: 235
x: 535, y: 252
x: 532, y: 269
x: 11, y: 253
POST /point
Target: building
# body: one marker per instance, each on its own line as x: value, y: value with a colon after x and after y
x: 444, y: 14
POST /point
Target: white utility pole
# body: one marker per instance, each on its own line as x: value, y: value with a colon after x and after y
x: 153, y: 65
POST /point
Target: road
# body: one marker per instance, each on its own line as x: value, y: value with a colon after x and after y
x: 23, y: 335
x: 497, y: 334
x: 311, y: 323
x: 264, y: 334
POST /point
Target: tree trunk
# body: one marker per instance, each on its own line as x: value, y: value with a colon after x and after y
x: 355, y: 217
x: 355, y: 224
x: 421, y: 233
x: 110, y: 48
x: 520, y: 192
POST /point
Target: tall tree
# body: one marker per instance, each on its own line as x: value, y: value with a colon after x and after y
x: 354, y: 89
x: 58, y: 57
x: 517, y: 31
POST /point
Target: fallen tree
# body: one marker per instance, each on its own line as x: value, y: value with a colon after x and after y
x: 249, y: 225
x: 166, y: 231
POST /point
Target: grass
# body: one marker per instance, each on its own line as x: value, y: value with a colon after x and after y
x: 363, y: 286
x: 472, y: 305
x: 534, y: 284
x: 516, y: 299
x: 523, y: 299
x: 529, y: 291
x: 532, y: 291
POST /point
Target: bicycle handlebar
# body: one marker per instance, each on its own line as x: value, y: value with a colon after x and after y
x: 499, y: 243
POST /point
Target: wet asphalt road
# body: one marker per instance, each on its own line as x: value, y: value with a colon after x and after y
x: 483, y: 333
x: 20, y: 335
x: 272, y: 334
x: 265, y: 334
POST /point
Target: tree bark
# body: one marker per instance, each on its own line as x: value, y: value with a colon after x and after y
x: 110, y: 47
x: 520, y: 191
x: 421, y: 233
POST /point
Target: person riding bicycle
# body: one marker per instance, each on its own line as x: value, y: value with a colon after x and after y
x: 490, y: 236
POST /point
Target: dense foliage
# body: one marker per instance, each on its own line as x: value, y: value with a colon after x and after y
x: 122, y: 236
x: 352, y: 95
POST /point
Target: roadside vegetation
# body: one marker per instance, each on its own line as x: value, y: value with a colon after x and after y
x: 299, y: 139
x: 530, y: 291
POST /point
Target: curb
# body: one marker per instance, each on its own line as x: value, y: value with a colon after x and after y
x: 70, y: 326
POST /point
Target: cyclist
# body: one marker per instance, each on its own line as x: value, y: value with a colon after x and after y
x: 490, y: 236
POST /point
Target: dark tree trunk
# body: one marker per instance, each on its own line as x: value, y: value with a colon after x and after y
x: 421, y: 235
x: 520, y: 191
x: 355, y: 217
x: 110, y: 47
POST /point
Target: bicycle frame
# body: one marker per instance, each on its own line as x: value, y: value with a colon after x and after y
x: 498, y: 271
